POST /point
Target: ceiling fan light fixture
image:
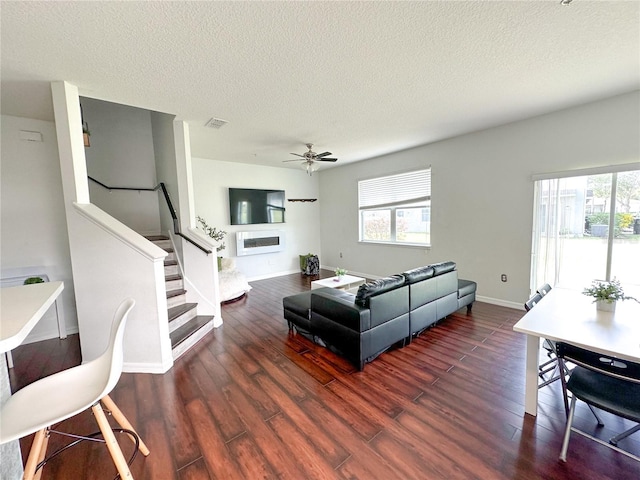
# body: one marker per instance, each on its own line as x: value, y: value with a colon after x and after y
x: 309, y: 167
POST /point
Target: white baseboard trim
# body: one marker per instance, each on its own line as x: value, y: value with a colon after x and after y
x: 133, y: 367
x: 48, y: 336
x: 272, y: 275
x: 499, y: 302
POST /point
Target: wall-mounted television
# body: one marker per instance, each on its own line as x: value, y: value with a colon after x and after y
x: 250, y: 206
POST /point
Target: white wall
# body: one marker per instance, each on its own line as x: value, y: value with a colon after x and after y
x: 122, y: 155
x: 165, y: 162
x: 33, y: 227
x: 482, y: 193
x: 211, y: 181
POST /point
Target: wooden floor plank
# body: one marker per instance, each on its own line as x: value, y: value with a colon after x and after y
x: 254, y: 400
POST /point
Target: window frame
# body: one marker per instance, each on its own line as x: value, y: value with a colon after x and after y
x: 389, y: 204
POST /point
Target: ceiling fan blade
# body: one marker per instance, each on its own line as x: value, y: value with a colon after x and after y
x: 298, y: 155
x: 327, y: 159
x: 294, y: 160
x: 323, y: 154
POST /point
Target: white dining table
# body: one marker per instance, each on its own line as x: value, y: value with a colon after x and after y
x: 20, y: 310
x: 569, y: 316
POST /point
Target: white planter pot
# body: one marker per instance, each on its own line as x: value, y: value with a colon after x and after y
x: 605, y: 306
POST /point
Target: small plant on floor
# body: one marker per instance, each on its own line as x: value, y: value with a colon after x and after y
x: 606, y: 291
x: 340, y: 272
x: 32, y: 280
x: 213, y: 232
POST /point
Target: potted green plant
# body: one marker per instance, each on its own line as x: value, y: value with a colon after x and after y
x: 606, y: 294
x: 340, y: 272
x: 214, y: 233
x: 32, y: 280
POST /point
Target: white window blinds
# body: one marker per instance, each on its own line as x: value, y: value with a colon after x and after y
x: 394, y: 190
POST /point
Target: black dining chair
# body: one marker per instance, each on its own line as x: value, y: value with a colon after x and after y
x: 544, y: 289
x: 532, y: 302
x: 601, y: 381
x: 550, y: 365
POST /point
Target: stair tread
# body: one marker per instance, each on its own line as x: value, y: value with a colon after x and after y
x: 156, y: 237
x: 169, y: 263
x: 175, y: 312
x: 185, y: 331
x: 175, y: 293
x: 169, y: 278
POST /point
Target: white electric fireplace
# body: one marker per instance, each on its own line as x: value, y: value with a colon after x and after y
x: 256, y: 242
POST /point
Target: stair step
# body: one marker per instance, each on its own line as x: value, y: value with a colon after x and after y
x: 189, y: 334
x: 173, y: 282
x: 160, y: 240
x: 181, y: 314
x: 153, y: 238
x: 176, y: 297
x: 171, y: 269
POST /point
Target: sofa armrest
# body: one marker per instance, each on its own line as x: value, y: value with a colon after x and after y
x: 340, y: 307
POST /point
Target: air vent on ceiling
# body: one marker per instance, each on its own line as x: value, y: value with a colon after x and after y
x: 215, y: 123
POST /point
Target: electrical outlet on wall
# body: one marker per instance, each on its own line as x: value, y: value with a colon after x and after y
x: 503, y: 277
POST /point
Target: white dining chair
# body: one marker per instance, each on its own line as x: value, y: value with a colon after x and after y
x: 50, y: 400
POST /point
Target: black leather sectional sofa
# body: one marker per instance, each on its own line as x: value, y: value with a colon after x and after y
x: 384, y: 312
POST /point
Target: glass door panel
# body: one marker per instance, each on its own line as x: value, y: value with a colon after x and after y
x: 625, y: 255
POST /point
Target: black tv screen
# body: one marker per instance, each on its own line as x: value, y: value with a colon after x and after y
x: 250, y: 206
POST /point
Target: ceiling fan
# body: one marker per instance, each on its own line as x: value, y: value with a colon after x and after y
x: 310, y: 157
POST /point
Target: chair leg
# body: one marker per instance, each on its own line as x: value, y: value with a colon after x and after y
x: 123, y: 422
x: 34, y: 454
x: 595, y: 414
x: 620, y: 436
x: 112, y: 443
x: 567, y: 432
x: 43, y: 453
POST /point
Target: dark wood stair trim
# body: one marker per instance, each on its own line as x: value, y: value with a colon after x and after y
x: 178, y: 310
x: 175, y: 293
x: 157, y: 238
x: 184, y: 332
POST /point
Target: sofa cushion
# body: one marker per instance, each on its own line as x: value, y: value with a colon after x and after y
x: 419, y: 274
x: 376, y: 287
x: 444, y: 267
x: 466, y: 287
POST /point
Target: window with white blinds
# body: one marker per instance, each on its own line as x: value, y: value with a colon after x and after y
x: 396, y: 208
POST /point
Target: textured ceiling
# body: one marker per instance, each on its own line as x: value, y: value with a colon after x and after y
x: 359, y: 79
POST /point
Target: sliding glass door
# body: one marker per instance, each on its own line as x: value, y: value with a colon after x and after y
x: 586, y: 227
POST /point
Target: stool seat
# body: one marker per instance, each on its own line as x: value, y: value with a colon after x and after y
x: 50, y: 400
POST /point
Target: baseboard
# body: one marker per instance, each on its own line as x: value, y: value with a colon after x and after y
x: 132, y: 367
x: 499, y: 302
x: 48, y: 336
x: 272, y: 275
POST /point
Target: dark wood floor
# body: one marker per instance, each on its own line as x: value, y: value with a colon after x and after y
x: 255, y: 401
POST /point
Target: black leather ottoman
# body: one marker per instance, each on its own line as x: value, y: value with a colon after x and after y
x: 297, y: 311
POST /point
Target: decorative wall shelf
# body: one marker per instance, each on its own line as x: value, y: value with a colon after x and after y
x: 302, y: 199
